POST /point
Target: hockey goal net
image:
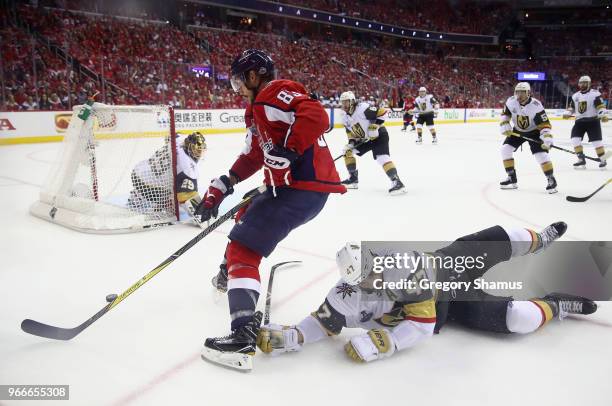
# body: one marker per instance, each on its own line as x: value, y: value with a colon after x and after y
x: 115, y: 172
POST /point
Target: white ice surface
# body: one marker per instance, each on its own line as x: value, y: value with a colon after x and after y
x: 146, y: 351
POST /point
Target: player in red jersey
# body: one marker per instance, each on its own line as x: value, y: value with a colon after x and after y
x: 285, y: 138
x: 408, y: 107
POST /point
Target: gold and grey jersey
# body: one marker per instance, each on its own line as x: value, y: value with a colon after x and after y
x: 525, y: 118
x: 426, y: 104
x: 587, y: 105
x: 363, y: 116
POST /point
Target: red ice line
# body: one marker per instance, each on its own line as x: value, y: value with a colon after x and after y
x: 194, y: 357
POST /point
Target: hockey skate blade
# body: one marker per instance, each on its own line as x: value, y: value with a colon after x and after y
x: 509, y: 187
x: 552, y: 191
x: 232, y: 360
x: 399, y: 192
x: 351, y: 186
x: 580, y: 168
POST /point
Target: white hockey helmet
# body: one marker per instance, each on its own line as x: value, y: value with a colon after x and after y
x: 348, y: 259
x: 348, y: 101
x: 522, y: 87
x: 584, y: 79
x: 422, y: 91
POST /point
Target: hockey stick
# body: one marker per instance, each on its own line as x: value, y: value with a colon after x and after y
x: 58, y: 333
x: 584, y: 199
x: 354, y: 146
x: 605, y: 156
x: 269, y: 293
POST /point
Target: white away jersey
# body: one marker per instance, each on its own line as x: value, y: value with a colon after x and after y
x: 586, y: 105
x: 357, y: 124
x: 426, y: 104
x: 156, y: 170
x: 525, y: 118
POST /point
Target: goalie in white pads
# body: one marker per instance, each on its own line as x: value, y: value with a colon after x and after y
x: 148, y: 176
x: 366, y: 132
x: 402, y: 318
x: 426, y: 109
x: 590, y: 111
x: 530, y: 121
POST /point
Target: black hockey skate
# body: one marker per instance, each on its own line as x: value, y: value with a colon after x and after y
x: 353, y: 181
x: 219, y: 281
x: 510, y: 182
x: 570, y: 304
x: 602, y: 163
x: 419, y: 140
x: 237, y: 349
x: 398, y: 187
x: 581, y: 164
x: 552, y: 185
x: 549, y: 234
x: 434, y: 140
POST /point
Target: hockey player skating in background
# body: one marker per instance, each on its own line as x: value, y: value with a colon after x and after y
x: 426, y: 109
x: 285, y: 138
x: 366, y: 132
x: 150, y: 176
x: 408, y: 116
x: 586, y: 103
x: 398, y: 319
x: 530, y: 121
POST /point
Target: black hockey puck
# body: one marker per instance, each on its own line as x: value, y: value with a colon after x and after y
x: 111, y: 297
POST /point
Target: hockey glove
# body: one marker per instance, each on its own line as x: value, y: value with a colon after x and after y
x: 547, y: 141
x: 602, y: 116
x: 436, y: 113
x: 505, y: 128
x: 275, y: 339
x: 278, y: 162
x: 218, y: 189
x: 373, y: 345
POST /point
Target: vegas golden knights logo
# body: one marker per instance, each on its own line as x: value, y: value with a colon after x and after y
x: 522, y: 122
x: 423, y: 106
x: 358, y: 131
x: 582, y: 107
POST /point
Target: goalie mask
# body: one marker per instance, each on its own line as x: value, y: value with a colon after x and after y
x: 195, y: 145
x: 348, y: 102
x: 584, y: 83
x: 522, y: 92
x: 251, y: 60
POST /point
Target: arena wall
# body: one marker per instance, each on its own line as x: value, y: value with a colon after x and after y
x: 48, y: 126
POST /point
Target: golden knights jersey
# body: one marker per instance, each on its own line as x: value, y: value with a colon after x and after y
x: 587, y: 105
x: 426, y: 104
x: 528, y: 117
x: 364, y: 119
x: 154, y: 172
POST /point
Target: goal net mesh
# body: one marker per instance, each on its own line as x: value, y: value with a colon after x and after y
x: 115, y: 171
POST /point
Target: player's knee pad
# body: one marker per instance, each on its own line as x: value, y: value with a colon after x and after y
x: 383, y: 159
x: 597, y: 144
x: 523, y: 317
x: 576, y: 141
x: 507, y: 151
x: 431, y: 128
x: 541, y: 157
x: 419, y: 126
x: 242, y: 266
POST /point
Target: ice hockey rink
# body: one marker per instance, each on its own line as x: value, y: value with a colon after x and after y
x: 146, y: 351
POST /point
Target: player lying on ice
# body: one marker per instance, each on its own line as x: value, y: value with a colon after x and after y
x: 399, y: 319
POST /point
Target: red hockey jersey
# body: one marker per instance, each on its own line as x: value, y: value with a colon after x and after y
x: 284, y: 115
